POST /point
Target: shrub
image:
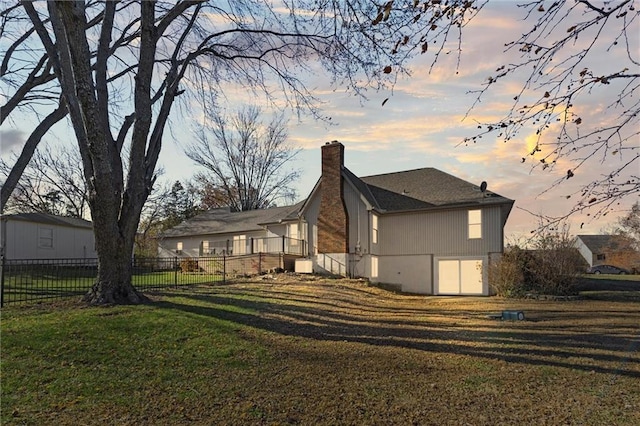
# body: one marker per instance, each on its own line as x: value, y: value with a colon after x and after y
x: 189, y: 265
x: 551, y: 267
x: 506, y: 277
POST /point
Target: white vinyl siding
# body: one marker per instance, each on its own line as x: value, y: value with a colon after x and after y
x: 441, y: 233
x: 475, y: 224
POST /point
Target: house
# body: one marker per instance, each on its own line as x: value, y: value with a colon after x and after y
x: 614, y: 250
x: 423, y: 231
x: 221, y: 231
x: 45, y: 236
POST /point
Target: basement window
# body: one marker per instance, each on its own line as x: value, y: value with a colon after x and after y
x: 374, y: 267
x: 475, y: 224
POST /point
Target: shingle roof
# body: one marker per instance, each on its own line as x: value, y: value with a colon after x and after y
x: 217, y: 221
x: 424, y: 189
x: 49, y: 219
x: 600, y: 243
x: 418, y: 189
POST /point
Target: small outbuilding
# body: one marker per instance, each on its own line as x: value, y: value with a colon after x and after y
x: 45, y: 236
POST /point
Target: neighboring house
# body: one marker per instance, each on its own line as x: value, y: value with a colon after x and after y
x: 422, y: 230
x: 220, y: 231
x: 614, y: 250
x: 45, y: 236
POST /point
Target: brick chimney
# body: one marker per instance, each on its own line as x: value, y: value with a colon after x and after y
x: 333, y: 222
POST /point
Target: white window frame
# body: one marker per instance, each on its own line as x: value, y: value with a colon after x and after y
x: 374, y: 229
x: 474, y: 221
x: 45, y: 237
x: 205, y: 248
x: 179, y: 247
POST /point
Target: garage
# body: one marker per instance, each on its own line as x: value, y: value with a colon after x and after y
x: 459, y: 276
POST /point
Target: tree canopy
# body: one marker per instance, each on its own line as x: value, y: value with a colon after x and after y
x: 247, y: 159
x: 117, y: 69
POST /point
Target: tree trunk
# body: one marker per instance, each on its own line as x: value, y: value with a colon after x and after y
x: 113, y: 284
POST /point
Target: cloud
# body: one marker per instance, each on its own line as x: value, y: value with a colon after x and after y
x: 10, y: 140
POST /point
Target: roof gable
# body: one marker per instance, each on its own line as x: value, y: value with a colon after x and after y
x: 49, y: 219
x: 219, y: 221
x: 600, y: 243
x: 426, y: 188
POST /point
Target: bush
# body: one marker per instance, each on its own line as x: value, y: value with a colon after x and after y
x: 189, y: 265
x: 506, y: 275
x: 551, y: 267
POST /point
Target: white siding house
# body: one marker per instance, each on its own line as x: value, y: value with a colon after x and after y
x: 422, y: 230
x: 44, y: 236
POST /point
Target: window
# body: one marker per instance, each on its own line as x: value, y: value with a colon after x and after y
x: 45, y: 238
x: 239, y: 244
x: 374, y: 229
x: 314, y: 230
x: 601, y: 257
x: 475, y: 224
x: 179, y: 247
x: 293, y: 234
x: 205, y: 248
x: 374, y: 267
x: 219, y: 247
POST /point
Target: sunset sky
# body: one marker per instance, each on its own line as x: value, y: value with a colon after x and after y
x: 422, y: 125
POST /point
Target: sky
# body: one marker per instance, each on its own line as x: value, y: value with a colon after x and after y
x: 422, y: 125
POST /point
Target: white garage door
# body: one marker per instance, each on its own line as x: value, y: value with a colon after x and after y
x: 457, y: 276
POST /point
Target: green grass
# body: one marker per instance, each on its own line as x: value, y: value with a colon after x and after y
x: 29, y: 287
x: 116, y: 359
x: 324, y: 352
x: 615, y: 277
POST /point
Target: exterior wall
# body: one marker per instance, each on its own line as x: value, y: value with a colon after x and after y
x: 22, y: 241
x: 333, y: 223
x: 585, y: 252
x: 442, y: 233
x: 311, y: 217
x: 191, y: 245
x: 359, y: 223
x: 483, y: 268
x: 413, y: 272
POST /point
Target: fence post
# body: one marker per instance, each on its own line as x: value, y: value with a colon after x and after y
x: 259, y: 263
x: 251, y: 245
x: 2, y: 280
x: 175, y: 271
x: 224, y: 268
x: 283, y: 237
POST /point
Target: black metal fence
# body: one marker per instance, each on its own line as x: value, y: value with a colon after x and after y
x: 28, y: 280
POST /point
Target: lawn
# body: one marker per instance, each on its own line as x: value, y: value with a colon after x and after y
x: 278, y: 351
x: 33, y: 286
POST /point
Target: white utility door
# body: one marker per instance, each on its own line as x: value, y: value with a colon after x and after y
x: 458, y: 276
